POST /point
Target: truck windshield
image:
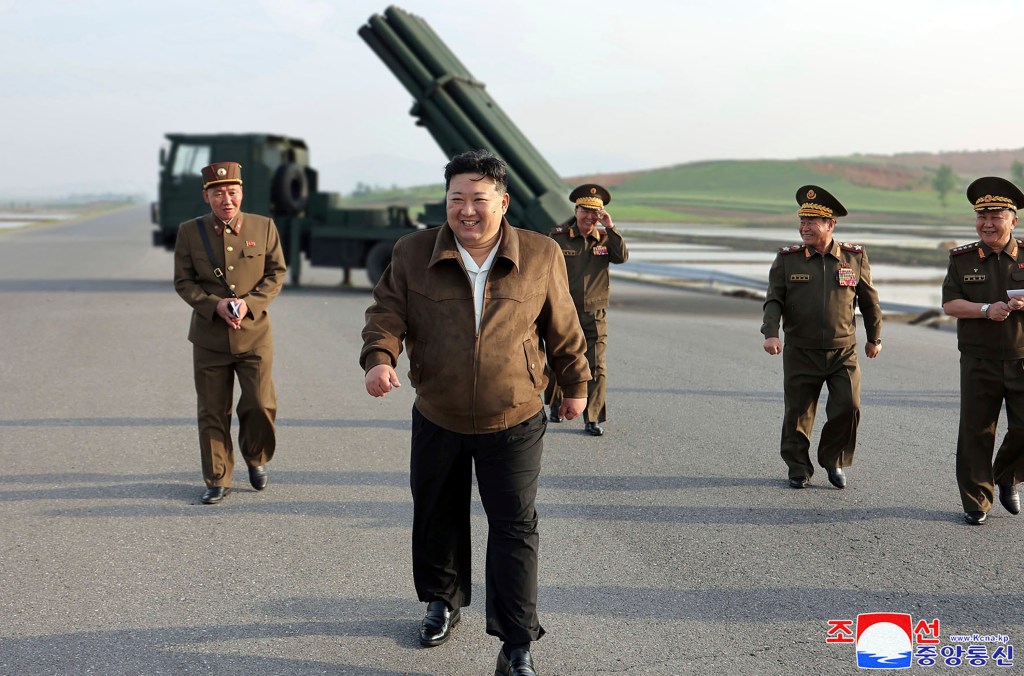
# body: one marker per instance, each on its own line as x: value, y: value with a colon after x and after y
x: 189, y: 160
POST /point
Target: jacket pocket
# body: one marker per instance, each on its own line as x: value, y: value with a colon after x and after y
x: 416, y: 352
x: 534, y: 364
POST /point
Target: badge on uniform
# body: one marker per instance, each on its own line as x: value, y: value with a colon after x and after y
x: 599, y: 250
x: 568, y: 252
x: 975, y: 278
x: 847, y: 277
x: 797, y: 277
x: 250, y: 243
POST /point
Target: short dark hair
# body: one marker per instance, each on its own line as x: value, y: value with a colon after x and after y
x: 480, y: 162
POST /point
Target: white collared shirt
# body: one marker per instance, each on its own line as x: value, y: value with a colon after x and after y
x: 477, y: 276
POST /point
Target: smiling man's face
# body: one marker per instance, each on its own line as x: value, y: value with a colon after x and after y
x: 475, y: 208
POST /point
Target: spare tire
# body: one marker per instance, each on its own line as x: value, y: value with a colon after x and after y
x: 378, y: 260
x: 289, y: 189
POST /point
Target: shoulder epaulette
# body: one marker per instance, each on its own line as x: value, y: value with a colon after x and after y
x: 956, y: 251
x: 848, y: 246
x: 793, y: 248
x: 559, y: 230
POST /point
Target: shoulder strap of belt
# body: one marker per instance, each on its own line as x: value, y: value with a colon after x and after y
x: 217, y: 272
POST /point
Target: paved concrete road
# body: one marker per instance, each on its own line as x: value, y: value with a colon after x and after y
x: 669, y: 546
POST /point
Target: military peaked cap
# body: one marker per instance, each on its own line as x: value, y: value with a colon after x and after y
x: 590, y: 196
x: 222, y: 172
x: 817, y: 202
x: 991, y: 193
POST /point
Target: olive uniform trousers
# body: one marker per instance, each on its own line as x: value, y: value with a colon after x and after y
x: 257, y: 408
x: 804, y: 372
x: 595, y: 330
x: 984, y: 385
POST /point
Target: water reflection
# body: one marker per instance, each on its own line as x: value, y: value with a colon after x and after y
x: 900, y: 288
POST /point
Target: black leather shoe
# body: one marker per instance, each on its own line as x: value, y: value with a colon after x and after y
x: 975, y: 518
x: 258, y: 477
x: 593, y: 429
x: 214, y: 495
x: 437, y: 624
x: 554, y: 417
x: 836, y: 477
x: 519, y: 663
x: 797, y: 481
x: 1009, y: 499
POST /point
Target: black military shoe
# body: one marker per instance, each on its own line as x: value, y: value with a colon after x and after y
x: 518, y: 663
x: 554, y: 417
x: 836, y: 477
x: 437, y: 624
x: 593, y: 429
x: 258, y: 477
x: 797, y: 481
x: 214, y: 495
x: 1009, y: 499
x: 975, y: 518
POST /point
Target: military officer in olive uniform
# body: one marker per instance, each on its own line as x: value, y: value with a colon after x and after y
x: 589, y: 242
x: 990, y: 332
x: 229, y: 266
x: 814, y: 288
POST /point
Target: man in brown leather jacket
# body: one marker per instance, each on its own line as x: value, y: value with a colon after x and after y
x: 983, y: 290
x: 815, y: 288
x: 473, y: 302
x: 230, y: 329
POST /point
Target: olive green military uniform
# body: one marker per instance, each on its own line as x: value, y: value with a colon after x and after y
x: 815, y: 296
x: 253, y: 265
x: 991, y: 370
x: 586, y: 261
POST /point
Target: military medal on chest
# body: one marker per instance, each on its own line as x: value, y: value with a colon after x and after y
x: 599, y: 250
x: 847, y: 277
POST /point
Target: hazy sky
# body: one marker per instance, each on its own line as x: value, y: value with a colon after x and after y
x: 90, y: 87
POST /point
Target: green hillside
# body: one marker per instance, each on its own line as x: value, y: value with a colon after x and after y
x: 873, y: 188
x: 764, y: 191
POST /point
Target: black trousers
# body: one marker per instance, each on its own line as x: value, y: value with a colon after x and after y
x: 507, y: 472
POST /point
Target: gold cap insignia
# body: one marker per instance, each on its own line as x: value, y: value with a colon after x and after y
x: 811, y: 194
x: 993, y: 202
x: 222, y: 172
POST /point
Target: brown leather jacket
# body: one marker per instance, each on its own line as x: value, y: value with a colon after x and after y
x: 469, y: 383
x: 253, y: 264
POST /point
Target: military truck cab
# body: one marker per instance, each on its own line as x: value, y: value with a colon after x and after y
x: 277, y: 181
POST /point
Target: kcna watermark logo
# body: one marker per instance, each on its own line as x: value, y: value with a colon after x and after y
x: 895, y: 641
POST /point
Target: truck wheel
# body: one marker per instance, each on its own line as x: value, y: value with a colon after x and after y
x: 289, y: 189
x: 378, y: 260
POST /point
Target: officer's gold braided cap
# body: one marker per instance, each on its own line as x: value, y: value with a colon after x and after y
x: 992, y: 193
x: 590, y: 196
x: 815, y: 201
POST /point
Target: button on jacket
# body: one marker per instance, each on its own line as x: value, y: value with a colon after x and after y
x: 977, y: 274
x: 253, y: 264
x: 467, y: 382
x: 816, y: 309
